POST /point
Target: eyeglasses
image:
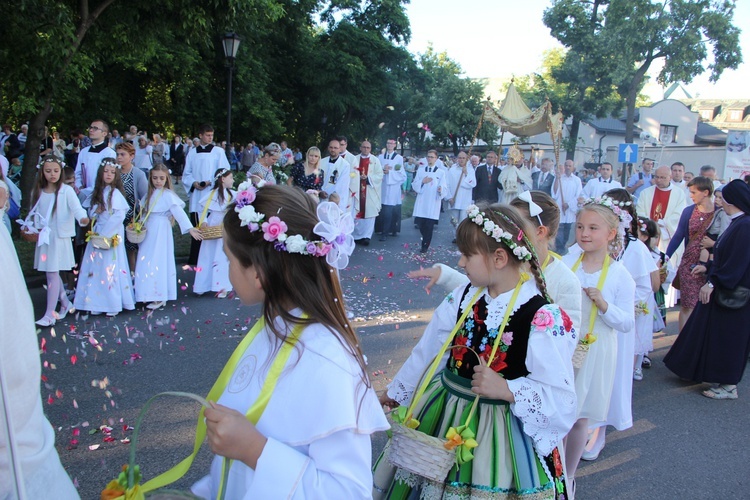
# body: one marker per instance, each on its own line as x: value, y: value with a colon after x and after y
x: 94, y: 127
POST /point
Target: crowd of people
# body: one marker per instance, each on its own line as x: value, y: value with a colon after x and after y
x: 530, y: 357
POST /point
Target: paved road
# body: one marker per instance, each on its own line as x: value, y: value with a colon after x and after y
x: 100, y: 371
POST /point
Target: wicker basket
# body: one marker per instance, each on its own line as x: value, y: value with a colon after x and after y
x: 134, y: 236
x: 30, y: 237
x: 211, y: 232
x: 100, y: 242
x: 579, y: 356
x: 420, y: 453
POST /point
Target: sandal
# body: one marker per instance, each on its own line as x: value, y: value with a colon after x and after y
x: 721, y: 392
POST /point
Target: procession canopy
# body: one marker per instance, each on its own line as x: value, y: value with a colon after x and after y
x: 514, y: 116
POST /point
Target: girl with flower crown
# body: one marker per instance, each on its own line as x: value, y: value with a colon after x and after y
x: 155, y: 271
x: 511, y: 348
x: 55, y: 209
x: 212, y: 271
x: 104, y: 283
x: 607, y: 306
x: 276, y: 434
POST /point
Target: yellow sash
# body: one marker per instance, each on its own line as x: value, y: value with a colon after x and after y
x: 253, y: 414
x: 599, y: 285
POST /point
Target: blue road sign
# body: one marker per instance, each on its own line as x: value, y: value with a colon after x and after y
x: 627, y: 153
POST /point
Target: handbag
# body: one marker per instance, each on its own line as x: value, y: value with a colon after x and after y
x: 732, y: 299
x: 14, y: 211
x: 676, y: 281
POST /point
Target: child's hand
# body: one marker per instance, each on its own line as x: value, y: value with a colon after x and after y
x: 84, y: 222
x: 230, y: 434
x: 488, y: 383
x: 595, y: 295
x: 195, y: 234
x: 431, y: 272
x: 387, y: 401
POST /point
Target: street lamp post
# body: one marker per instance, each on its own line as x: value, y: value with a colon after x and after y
x: 231, y: 42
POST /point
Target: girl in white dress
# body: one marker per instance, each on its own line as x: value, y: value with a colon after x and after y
x: 155, y: 271
x: 276, y: 434
x: 212, y: 271
x: 55, y: 208
x: 636, y: 258
x: 104, y: 283
x: 607, y: 299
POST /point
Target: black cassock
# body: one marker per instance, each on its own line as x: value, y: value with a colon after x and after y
x: 715, y: 343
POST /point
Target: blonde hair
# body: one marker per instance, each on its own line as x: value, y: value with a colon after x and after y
x: 610, y: 219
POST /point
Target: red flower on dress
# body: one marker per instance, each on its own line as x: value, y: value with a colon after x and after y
x: 567, y: 322
x: 558, y: 462
x: 498, y: 364
x: 458, y: 353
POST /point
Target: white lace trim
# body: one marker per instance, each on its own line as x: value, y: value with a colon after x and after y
x: 530, y: 409
x: 400, y: 393
x: 496, y: 307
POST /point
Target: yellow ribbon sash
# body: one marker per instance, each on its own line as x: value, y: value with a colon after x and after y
x: 599, y: 286
x: 253, y: 414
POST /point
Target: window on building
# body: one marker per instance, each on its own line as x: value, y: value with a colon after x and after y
x: 707, y: 114
x: 667, y: 134
x: 735, y: 115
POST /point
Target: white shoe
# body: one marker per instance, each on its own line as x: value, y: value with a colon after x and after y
x: 46, y: 321
x: 157, y: 304
x: 638, y: 374
x: 65, y: 310
x: 222, y: 295
x: 111, y: 315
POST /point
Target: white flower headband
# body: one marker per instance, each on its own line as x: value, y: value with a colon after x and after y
x: 50, y: 159
x: 498, y: 234
x: 334, y: 227
x: 618, y: 207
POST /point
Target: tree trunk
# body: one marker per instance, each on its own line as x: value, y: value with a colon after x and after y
x: 31, y: 153
x: 570, y: 151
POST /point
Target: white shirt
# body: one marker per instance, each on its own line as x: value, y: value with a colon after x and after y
x: 392, y: 180
x: 597, y: 187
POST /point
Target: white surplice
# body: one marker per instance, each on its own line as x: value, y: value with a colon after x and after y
x: 430, y: 194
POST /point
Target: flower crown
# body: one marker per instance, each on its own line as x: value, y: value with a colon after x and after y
x: 498, y: 234
x: 220, y: 173
x: 43, y: 160
x: 334, y: 227
x: 618, y: 207
x: 109, y: 162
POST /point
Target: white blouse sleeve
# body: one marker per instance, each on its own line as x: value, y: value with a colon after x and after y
x: 181, y: 218
x: 405, y: 382
x: 331, y: 469
x: 620, y: 313
x: 545, y: 400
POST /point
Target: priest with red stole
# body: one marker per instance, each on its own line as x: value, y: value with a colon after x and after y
x: 365, y: 189
x: 662, y: 204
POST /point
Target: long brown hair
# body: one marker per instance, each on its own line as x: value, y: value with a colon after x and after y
x: 41, y: 180
x: 219, y: 185
x: 472, y: 240
x: 97, y: 196
x: 159, y: 167
x: 292, y: 280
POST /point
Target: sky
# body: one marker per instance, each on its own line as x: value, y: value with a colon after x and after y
x: 497, y: 39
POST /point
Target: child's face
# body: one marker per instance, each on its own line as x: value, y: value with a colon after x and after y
x: 52, y: 172
x: 719, y: 199
x: 227, y: 181
x: 245, y: 280
x: 108, y: 176
x: 124, y: 158
x: 592, y: 232
x: 70, y: 180
x: 159, y: 179
x: 476, y: 268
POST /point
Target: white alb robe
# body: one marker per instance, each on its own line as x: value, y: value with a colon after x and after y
x: 430, y: 194
x: 201, y: 165
x: 392, y: 180
x: 461, y: 187
x: 336, y: 178
x: 597, y: 187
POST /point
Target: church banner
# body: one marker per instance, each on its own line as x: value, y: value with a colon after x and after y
x: 737, y: 164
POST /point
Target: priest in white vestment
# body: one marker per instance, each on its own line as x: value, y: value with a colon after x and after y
x: 595, y: 188
x: 431, y: 188
x: 461, y: 183
x: 394, y: 176
x: 336, y: 172
x: 566, y: 190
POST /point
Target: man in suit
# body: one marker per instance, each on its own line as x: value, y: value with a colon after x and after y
x: 544, y: 178
x: 487, y: 180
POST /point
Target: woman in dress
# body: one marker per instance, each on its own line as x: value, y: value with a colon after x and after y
x: 694, y: 222
x: 157, y: 150
x: 135, y: 187
x: 307, y: 175
x: 715, y: 342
